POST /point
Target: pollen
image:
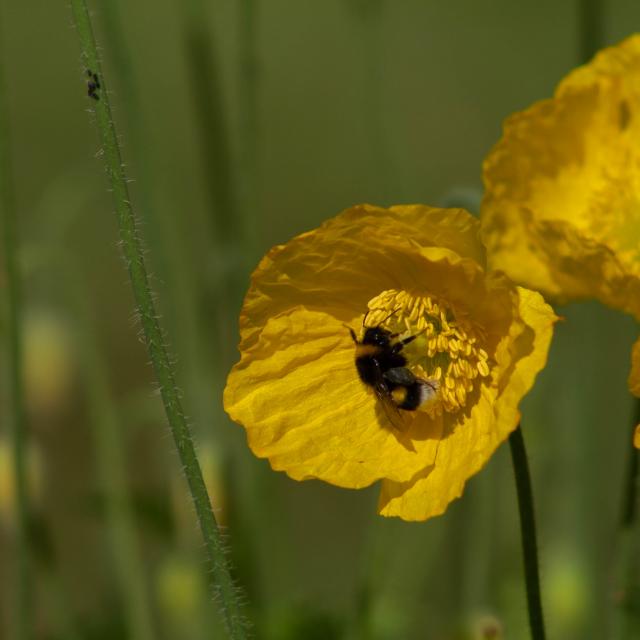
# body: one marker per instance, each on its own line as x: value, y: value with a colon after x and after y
x: 447, y: 350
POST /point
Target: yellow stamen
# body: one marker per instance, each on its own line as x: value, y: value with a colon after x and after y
x: 446, y: 350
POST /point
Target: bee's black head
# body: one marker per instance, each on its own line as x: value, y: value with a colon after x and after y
x: 377, y: 336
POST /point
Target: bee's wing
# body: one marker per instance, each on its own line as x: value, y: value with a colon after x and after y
x: 389, y: 406
x: 399, y: 376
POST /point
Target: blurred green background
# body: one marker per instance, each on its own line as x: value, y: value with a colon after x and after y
x: 244, y: 123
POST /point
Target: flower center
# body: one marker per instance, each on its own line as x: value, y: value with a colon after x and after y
x: 446, y: 350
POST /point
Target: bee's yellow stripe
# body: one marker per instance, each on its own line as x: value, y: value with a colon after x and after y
x: 366, y: 350
x: 399, y: 394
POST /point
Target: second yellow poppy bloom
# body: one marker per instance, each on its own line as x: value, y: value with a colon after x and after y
x: 561, y: 212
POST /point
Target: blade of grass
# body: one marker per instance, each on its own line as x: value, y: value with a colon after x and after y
x: 219, y: 574
x: 183, y: 281
x: 60, y: 606
x: 111, y: 466
x: 227, y: 225
x: 139, y: 139
x: 248, y: 74
x: 369, y: 27
x: 23, y: 579
x: 479, y: 535
x: 216, y: 152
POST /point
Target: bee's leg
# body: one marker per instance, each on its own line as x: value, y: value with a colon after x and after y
x: 366, y: 315
x: 353, y: 334
x: 398, y: 346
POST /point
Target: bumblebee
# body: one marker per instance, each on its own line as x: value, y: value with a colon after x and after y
x: 382, y: 366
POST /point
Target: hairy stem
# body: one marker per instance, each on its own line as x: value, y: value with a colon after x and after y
x: 218, y: 570
x: 528, y: 530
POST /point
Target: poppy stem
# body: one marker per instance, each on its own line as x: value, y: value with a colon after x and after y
x: 218, y: 572
x: 626, y: 620
x: 528, y: 529
x: 630, y: 503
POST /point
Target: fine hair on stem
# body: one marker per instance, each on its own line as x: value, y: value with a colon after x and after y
x: 220, y: 580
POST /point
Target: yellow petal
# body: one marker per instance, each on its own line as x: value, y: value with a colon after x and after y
x: 341, y: 265
x: 561, y: 211
x: 494, y: 415
x: 299, y: 397
x: 636, y: 437
x: 452, y: 229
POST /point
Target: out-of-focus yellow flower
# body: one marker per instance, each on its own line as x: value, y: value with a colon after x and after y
x: 7, y: 479
x: 296, y: 390
x: 561, y: 212
x: 567, y: 590
x: 485, y: 627
x: 181, y: 590
x: 48, y: 363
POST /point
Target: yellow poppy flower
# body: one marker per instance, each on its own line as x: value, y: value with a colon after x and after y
x: 561, y: 212
x: 414, y: 271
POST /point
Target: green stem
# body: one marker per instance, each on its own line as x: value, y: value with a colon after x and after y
x: 214, y: 144
x: 591, y: 28
x: 630, y: 504
x: 23, y: 588
x: 248, y: 116
x: 218, y: 570
x: 626, y: 619
x: 528, y: 530
x: 370, y: 21
x: 478, y: 556
x: 59, y: 603
x: 360, y: 624
x: 228, y: 228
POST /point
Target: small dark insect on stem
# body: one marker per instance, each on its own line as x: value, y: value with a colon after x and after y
x: 93, y: 84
